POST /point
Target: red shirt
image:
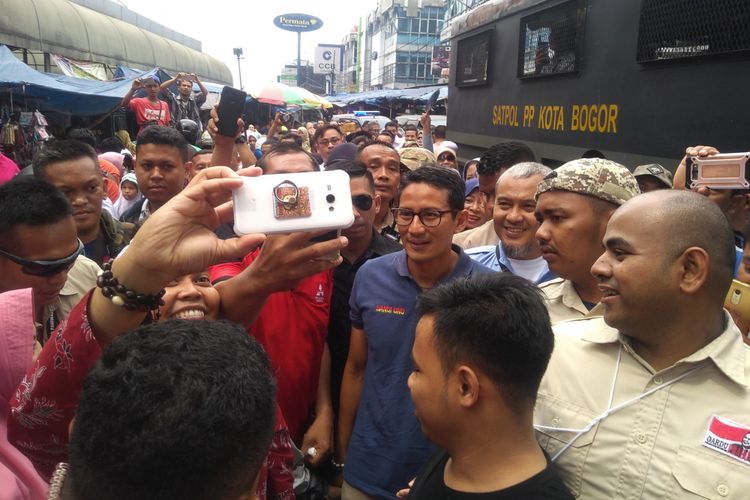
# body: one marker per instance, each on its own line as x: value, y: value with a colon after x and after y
x: 292, y: 327
x: 146, y: 111
x: 46, y: 400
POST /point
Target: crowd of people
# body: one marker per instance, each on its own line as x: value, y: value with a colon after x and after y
x: 492, y: 329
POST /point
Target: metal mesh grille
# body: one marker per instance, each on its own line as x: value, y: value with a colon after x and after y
x: 675, y: 29
x: 550, y: 40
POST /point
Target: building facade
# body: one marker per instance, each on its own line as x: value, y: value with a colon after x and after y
x: 397, y: 43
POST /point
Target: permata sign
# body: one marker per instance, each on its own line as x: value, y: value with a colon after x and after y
x: 297, y: 22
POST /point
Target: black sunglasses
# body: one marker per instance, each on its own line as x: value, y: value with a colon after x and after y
x: 362, y: 201
x: 45, y: 267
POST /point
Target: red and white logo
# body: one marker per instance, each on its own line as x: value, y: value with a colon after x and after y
x: 729, y: 438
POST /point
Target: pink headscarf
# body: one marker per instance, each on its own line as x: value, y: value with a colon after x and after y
x: 18, y: 478
x: 114, y: 158
x: 8, y: 169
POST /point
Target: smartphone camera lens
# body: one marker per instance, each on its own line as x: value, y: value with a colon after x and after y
x: 330, y: 198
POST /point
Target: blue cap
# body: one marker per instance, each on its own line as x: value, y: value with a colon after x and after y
x: 152, y: 77
x: 471, y: 186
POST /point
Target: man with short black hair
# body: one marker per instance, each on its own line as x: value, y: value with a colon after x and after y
x: 411, y: 133
x: 386, y: 137
x: 493, y: 162
x: 185, y: 104
x: 378, y: 435
x: 325, y: 139
x: 73, y: 168
x: 480, y: 351
x: 285, y: 156
x: 201, y: 159
x: 295, y: 314
x: 496, y: 160
x: 384, y: 163
x: 365, y: 243
x: 39, y: 249
x: 164, y: 385
x: 161, y: 156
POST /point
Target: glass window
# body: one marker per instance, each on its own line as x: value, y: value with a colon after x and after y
x: 473, y: 59
x: 676, y: 29
x: 551, y: 40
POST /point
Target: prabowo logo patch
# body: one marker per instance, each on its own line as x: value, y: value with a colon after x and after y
x: 729, y: 438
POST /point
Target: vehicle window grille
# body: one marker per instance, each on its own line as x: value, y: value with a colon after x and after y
x: 676, y: 29
x: 551, y: 41
x: 473, y: 59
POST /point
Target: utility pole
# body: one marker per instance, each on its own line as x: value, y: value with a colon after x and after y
x: 299, y: 57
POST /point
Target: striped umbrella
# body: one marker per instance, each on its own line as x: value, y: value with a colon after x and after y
x: 278, y: 94
x: 283, y: 95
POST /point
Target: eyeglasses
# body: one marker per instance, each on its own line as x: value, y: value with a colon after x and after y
x: 362, y: 202
x: 45, y: 267
x: 428, y: 218
x: 332, y: 140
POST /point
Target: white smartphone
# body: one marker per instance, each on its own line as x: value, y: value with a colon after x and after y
x: 287, y: 203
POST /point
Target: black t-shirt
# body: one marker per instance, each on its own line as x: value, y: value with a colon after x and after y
x: 429, y: 484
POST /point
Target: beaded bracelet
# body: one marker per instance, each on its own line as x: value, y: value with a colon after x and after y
x: 122, y: 297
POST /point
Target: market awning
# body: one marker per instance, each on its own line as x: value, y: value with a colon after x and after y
x: 380, y: 97
x: 65, y: 28
x: 67, y: 94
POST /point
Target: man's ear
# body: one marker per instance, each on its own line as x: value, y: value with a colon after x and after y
x: 461, y: 219
x: 693, y: 268
x: 468, y: 386
x: 376, y: 201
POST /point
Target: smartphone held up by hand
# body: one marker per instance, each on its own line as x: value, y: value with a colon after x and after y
x: 288, y: 203
x: 230, y: 109
x: 721, y: 171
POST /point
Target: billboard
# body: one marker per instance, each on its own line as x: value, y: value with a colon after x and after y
x: 298, y: 22
x: 328, y: 59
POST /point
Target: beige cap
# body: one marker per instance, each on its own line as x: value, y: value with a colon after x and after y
x: 597, y: 177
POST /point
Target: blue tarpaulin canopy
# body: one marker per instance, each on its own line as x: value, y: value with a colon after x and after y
x: 380, y: 97
x: 66, y: 94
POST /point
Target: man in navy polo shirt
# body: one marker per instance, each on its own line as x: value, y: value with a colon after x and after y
x: 380, y: 444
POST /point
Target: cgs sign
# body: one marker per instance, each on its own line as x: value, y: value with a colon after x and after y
x: 297, y: 22
x: 328, y: 59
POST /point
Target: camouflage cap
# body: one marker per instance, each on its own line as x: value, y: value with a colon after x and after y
x: 655, y: 170
x: 603, y: 179
x: 414, y: 158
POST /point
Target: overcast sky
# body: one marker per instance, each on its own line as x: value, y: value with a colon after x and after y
x: 222, y: 25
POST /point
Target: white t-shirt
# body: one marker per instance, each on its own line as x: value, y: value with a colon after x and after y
x: 531, y: 269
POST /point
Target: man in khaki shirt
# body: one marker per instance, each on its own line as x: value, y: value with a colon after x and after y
x: 648, y: 401
x: 574, y: 204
